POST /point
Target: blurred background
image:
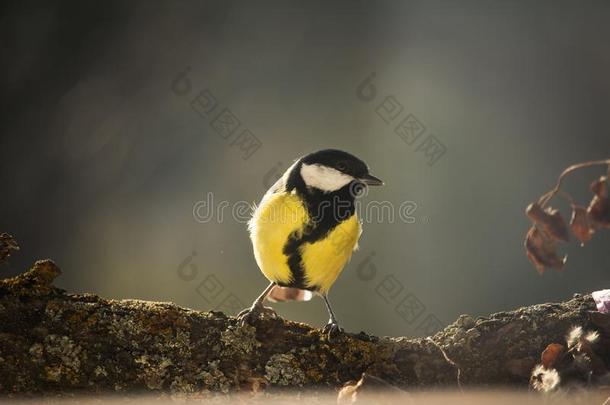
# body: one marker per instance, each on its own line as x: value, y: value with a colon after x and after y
x: 110, y: 144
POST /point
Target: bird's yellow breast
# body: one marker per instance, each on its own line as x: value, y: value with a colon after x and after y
x: 281, y: 215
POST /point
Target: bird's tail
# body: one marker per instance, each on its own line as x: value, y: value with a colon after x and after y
x: 279, y: 294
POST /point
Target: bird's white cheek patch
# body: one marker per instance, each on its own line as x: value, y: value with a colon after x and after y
x: 324, y: 178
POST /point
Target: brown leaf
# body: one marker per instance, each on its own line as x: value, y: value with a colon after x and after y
x: 541, y: 251
x: 598, y: 211
x: 550, y: 220
x: 551, y: 354
x: 579, y: 224
x: 556, y: 226
x: 600, y: 187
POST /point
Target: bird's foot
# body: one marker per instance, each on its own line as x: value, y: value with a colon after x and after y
x: 332, y: 331
x: 254, y: 313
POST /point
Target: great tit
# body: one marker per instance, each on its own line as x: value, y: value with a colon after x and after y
x: 305, y: 229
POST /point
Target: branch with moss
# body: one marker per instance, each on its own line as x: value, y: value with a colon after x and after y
x: 52, y: 341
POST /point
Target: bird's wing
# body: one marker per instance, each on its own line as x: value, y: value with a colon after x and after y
x: 278, y: 186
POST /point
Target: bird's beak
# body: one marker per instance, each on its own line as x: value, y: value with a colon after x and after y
x: 371, y: 180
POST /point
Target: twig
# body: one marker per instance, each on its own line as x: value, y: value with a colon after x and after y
x: 547, y: 197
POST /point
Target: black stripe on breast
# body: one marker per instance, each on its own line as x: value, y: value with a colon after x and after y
x: 326, y: 210
x: 295, y: 262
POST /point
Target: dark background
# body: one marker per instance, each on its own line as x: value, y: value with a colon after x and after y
x: 101, y: 162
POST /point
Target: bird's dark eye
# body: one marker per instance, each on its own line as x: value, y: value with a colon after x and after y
x: 341, y: 166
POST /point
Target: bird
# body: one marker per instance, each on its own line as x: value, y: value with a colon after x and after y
x: 305, y: 228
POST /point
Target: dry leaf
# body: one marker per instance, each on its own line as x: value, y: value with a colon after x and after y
x: 541, y: 251
x: 551, y: 354
x: 550, y: 220
x: 579, y: 224
x: 599, y: 209
x: 600, y: 187
x: 550, y: 226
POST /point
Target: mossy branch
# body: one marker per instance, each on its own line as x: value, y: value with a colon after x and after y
x: 52, y: 341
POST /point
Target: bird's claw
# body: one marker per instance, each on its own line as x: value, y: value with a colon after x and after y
x: 332, y: 331
x: 254, y: 313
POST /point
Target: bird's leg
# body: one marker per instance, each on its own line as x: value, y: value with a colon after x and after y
x: 332, y: 328
x: 257, y: 309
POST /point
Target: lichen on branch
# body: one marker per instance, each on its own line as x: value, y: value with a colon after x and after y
x: 52, y: 341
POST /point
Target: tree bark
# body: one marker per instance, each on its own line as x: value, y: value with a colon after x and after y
x: 52, y: 341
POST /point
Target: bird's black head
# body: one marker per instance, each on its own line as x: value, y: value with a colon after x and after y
x: 332, y: 169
